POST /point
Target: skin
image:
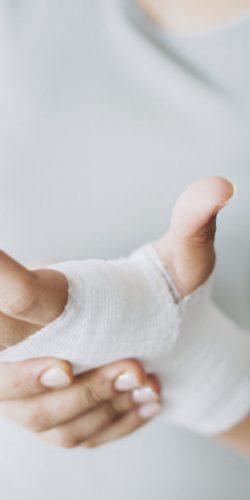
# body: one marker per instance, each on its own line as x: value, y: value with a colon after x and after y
x: 89, y: 410
x: 97, y: 412
x: 186, y: 16
x: 185, y: 253
x: 238, y: 437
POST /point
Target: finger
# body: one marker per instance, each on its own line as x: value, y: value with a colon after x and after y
x: 124, y: 426
x: 187, y: 250
x: 34, y: 296
x: 196, y: 207
x: 147, y: 399
x: 13, y: 331
x: 73, y: 433
x: 29, y: 378
x: 88, y: 391
x: 89, y: 424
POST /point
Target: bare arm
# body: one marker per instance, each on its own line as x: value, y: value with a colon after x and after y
x: 238, y: 437
x: 191, y: 15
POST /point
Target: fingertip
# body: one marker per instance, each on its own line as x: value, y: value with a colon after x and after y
x: 57, y: 374
x: 153, y: 382
x: 198, y: 205
x: 125, y: 374
x: 149, y: 410
x: 136, y: 367
x: 23, y: 378
x: 63, y: 365
x: 131, y: 366
x: 228, y: 191
x: 216, y: 191
x: 48, y: 373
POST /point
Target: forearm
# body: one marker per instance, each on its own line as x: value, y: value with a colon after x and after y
x: 207, y: 375
x: 238, y: 437
x: 190, y: 15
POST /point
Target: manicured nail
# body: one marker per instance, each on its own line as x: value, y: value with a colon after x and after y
x: 55, y: 377
x: 234, y: 193
x: 126, y: 382
x: 144, y: 395
x: 149, y: 410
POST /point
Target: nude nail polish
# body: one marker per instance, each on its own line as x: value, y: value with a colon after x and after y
x: 55, y: 378
x: 127, y: 381
x: 144, y: 395
x: 149, y: 410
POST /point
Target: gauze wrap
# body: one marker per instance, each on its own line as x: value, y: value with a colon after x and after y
x: 130, y: 308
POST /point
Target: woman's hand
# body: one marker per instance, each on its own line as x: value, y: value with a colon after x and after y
x: 91, y: 409
x: 31, y: 299
x: 28, y: 299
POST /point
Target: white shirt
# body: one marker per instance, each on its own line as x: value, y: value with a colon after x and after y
x: 104, y: 120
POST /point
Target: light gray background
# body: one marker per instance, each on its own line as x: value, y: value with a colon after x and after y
x: 156, y: 463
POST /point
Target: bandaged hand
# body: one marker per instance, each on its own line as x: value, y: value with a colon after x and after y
x: 94, y: 312
x: 184, y: 257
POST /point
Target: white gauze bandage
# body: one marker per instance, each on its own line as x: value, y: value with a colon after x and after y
x: 130, y: 308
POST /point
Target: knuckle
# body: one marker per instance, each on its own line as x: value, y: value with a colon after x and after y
x: 110, y: 411
x: 21, y: 302
x: 207, y: 234
x: 89, y: 395
x: 64, y: 439
x: 116, y: 407
x: 17, y: 381
x: 36, y: 420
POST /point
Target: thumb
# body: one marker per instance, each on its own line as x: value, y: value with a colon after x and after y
x: 187, y: 250
x: 194, y: 215
x: 36, y: 297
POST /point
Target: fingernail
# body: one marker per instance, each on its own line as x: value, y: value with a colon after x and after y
x: 149, y: 410
x: 144, y: 395
x: 55, y: 377
x: 234, y: 193
x: 126, y: 381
